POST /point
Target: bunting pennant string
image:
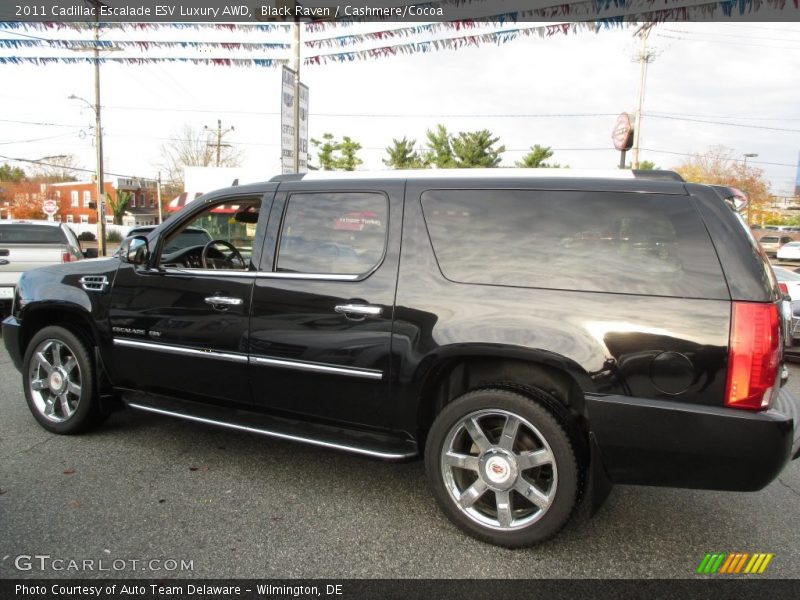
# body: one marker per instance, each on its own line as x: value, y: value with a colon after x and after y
x: 217, y: 62
x: 87, y: 26
x: 139, y: 45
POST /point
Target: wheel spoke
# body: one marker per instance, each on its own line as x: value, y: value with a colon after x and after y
x: 74, y: 388
x: 49, y: 407
x: 535, y: 458
x: 472, y: 494
x: 477, y: 435
x: 70, y: 364
x: 57, y: 354
x: 461, y: 461
x: 504, y: 515
x: 532, y: 493
x: 40, y: 358
x: 66, y: 409
x: 37, y: 385
x: 509, y: 435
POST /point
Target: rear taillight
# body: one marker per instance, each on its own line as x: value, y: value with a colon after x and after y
x: 754, y: 355
x: 784, y: 287
x: 66, y: 257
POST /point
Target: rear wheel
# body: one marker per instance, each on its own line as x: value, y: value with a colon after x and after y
x: 502, y: 468
x: 59, y: 382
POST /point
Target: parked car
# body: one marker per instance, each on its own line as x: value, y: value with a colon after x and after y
x: 788, y: 281
x: 771, y: 244
x: 438, y: 315
x: 789, y: 251
x: 26, y: 245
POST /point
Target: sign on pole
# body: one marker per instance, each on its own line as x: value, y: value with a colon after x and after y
x: 288, y: 123
x: 622, y: 134
x: 50, y: 207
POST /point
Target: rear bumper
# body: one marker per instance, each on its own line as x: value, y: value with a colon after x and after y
x: 11, y: 339
x: 674, y: 444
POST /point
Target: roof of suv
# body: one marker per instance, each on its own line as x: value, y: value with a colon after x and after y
x: 482, y: 174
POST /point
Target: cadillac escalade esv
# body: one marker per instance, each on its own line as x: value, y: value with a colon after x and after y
x: 534, y: 335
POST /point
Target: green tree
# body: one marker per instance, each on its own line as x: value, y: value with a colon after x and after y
x: 645, y: 165
x: 334, y: 155
x: 440, y: 148
x: 535, y: 159
x: 402, y: 155
x: 9, y: 173
x: 476, y: 149
x: 119, y: 205
x: 348, y: 161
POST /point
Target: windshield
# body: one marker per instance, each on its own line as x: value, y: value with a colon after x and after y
x: 768, y: 240
x: 786, y: 275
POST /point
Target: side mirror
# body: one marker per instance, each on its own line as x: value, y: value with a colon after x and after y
x: 90, y: 253
x: 134, y: 251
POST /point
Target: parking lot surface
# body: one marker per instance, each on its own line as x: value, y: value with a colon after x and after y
x: 145, y: 488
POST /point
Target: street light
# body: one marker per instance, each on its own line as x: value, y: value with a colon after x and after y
x: 101, y: 217
x: 746, y: 156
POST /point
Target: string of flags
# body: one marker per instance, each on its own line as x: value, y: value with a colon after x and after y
x: 217, y: 62
x: 90, y: 26
x: 139, y: 45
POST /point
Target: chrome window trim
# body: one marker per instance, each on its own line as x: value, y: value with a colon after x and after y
x: 316, y: 367
x: 239, y: 358
x: 275, y: 434
x: 263, y: 274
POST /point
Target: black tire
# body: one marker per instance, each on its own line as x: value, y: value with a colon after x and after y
x: 538, y: 459
x: 65, y: 403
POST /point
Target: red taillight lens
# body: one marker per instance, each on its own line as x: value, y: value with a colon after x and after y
x: 66, y: 257
x: 784, y: 287
x: 754, y: 355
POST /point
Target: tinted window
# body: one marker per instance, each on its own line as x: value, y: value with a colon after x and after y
x: 30, y: 234
x: 591, y: 241
x: 333, y: 233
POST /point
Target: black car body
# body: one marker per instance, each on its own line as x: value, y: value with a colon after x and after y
x: 532, y: 336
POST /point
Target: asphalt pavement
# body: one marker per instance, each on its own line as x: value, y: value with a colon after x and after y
x: 147, y: 488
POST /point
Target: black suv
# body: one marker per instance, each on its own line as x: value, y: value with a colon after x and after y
x: 535, y: 337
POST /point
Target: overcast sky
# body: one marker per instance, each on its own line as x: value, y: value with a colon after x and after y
x: 730, y: 84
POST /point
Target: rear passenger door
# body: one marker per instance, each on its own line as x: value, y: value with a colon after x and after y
x: 321, y: 321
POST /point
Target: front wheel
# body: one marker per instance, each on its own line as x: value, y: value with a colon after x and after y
x: 58, y: 375
x: 502, y: 468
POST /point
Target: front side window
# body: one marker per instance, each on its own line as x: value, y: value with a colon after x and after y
x: 341, y: 233
x: 220, y: 237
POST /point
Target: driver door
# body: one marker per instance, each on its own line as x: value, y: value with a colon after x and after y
x: 180, y: 323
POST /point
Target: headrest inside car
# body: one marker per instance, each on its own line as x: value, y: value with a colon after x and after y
x: 246, y: 216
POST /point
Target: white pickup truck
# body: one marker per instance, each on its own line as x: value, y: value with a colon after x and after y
x: 25, y: 245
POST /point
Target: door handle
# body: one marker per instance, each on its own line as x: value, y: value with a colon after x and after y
x: 223, y: 302
x: 359, y: 311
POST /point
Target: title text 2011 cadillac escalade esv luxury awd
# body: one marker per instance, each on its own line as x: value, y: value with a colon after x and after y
x: 533, y: 335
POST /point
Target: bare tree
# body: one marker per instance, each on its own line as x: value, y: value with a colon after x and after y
x: 194, y: 147
x: 55, y: 169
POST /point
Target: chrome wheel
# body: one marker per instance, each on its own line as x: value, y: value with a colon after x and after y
x: 498, y: 469
x: 54, y: 380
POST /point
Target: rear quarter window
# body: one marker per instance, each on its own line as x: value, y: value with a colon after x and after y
x: 30, y: 234
x: 616, y: 242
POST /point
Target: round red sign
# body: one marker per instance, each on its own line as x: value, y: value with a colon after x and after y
x: 623, y: 140
x: 50, y: 207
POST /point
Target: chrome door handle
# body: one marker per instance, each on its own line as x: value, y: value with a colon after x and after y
x: 223, y: 302
x: 359, y: 311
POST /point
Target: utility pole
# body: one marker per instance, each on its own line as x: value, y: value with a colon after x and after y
x: 749, y: 203
x: 158, y: 198
x: 645, y: 57
x: 219, y: 143
x: 101, y: 203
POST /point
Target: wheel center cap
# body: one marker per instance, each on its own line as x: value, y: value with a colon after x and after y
x: 499, y: 471
x: 57, y: 381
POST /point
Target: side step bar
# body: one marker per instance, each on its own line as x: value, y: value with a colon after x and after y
x: 355, y: 441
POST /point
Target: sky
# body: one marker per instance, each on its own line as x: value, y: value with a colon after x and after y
x: 730, y: 84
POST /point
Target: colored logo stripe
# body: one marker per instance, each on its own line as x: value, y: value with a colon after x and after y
x: 734, y: 563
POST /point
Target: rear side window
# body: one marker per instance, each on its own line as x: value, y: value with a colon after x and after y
x: 30, y: 234
x: 333, y: 233
x: 589, y: 241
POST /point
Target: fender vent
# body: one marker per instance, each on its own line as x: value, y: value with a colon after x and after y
x: 94, y: 283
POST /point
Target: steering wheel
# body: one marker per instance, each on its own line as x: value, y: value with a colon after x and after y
x: 227, y: 262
